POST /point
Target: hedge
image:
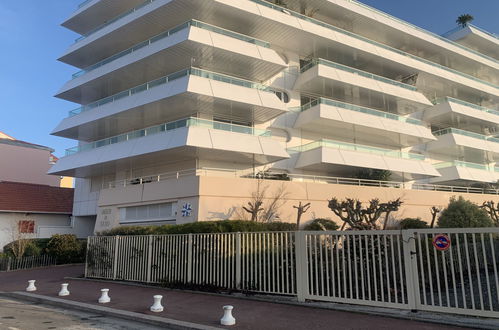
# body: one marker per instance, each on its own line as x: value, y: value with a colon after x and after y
x: 66, y: 249
x: 201, y: 227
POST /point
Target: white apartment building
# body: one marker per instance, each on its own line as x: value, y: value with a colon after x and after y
x: 183, y: 101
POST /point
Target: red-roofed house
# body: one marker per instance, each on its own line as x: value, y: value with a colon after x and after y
x: 38, y: 211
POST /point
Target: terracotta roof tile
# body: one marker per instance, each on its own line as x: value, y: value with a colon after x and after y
x: 27, y: 197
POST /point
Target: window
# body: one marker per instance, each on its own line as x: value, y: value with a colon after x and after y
x: 283, y: 96
x: 148, y: 213
x: 26, y: 227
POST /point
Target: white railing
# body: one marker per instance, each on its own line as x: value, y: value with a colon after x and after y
x: 206, y: 171
x: 11, y: 264
x: 259, y: 262
x: 399, y: 268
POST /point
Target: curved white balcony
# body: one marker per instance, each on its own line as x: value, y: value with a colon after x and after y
x: 451, y: 112
x: 185, y: 139
x: 340, y: 158
x: 192, y: 42
x: 466, y: 145
x: 321, y: 77
x: 178, y: 95
x: 91, y: 14
x: 330, y: 117
x: 456, y: 172
x: 476, y: 38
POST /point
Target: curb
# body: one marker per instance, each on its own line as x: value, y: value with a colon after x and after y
x: 125, y: 315
x: 420, y: 316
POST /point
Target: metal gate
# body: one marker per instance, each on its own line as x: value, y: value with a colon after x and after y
x: 402, y: 269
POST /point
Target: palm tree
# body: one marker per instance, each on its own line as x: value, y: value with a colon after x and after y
x: 464, y: 19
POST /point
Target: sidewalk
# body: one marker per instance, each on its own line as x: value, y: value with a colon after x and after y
x: 200, y: 308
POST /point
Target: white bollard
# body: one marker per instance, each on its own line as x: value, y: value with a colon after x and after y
x: 104, y: 298
x: 157, y: 307
x: 31, y: 286
x: 228, y: 319
x: 64, y: 290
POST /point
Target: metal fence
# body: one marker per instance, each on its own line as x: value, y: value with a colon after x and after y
x: 400, y: 269
x: 11, y: 264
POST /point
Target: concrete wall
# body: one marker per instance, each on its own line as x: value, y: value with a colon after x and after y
x: 28, y: 165
x: 219, y: 198
x: 222, y: 198
x: 46, y: 225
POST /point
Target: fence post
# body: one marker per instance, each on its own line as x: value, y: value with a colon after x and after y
x: 86, y: 256
x: 8, y: 264
x: 149, y: 259
x: 301, y: 265
x: 189, y: 258
x: 115, y: 262
x: 411, y: 268
x: 238, y: 261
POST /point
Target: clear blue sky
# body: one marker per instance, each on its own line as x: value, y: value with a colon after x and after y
x: 31, y: 40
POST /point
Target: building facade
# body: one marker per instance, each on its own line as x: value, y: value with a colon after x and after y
x: 185, y: 102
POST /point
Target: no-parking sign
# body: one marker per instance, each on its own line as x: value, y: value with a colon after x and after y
x: 441, y: 242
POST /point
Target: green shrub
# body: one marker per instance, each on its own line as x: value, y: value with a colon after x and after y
x: 66, y: 249
x: 225, y: 226
x: 321, y: 224
x: 461, y: 213
x: 413, y: 223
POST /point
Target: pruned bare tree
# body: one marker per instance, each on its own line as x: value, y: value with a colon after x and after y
x: 493, y: 211
x: 353, y: 213
x: 20, y: 238
x: 300, y: 210
x: 263, y: 206
x: 434, y: 212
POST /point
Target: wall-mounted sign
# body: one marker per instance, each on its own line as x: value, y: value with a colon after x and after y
x: 441, y: 242
x: 186, y: 210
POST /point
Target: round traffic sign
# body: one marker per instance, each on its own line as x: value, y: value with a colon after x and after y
x: 441, y: 242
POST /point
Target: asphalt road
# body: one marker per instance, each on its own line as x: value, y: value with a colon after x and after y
x: 15, y: 315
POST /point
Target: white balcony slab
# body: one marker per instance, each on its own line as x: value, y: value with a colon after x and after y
x: 469, y: 148
x: 176, y: 99
x: 325, y: 80
x: 348, y: 162
x: 478, y: 39
x: 450, y: 113
x: 180, y: 144
x: 340, y: 122
x: 190, y: 46
x: 456, y: 174
x: 93, y: 13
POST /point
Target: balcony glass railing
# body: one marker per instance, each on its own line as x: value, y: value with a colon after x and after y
x: 167, y: 79
x: 454, y: 30
x: 117, y: 18
x: 188, y: 122
x: 467, y: 104
x: 168, y: 33
x: 466, y: 133
x: 84, y: 3
x: 356, y: 147
x: 358, y: 108
x: 459, y: 163
x: 372, y: 42
x: 342, y: 67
